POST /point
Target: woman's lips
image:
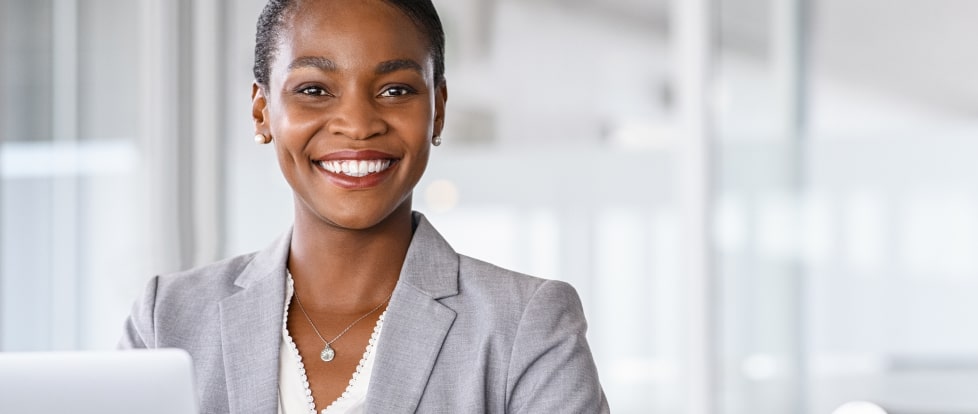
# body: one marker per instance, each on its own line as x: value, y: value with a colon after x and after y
x: 356, y: 169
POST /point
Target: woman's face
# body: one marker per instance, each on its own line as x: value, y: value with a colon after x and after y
x: 351, y: 106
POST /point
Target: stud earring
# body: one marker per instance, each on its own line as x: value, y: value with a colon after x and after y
x: 262, y: 139
x: 436, y: 140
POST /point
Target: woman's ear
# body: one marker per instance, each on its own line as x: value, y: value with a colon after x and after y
x: 441, y: 97
x: 259, y: 109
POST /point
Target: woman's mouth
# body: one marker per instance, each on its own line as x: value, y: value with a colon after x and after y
x: 355, y: 168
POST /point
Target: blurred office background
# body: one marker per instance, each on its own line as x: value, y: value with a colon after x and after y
x: 768, y: 207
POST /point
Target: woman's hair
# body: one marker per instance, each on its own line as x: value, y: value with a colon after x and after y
x: 276, y: 13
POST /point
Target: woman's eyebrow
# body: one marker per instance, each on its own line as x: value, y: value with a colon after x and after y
x: 317, y: 62
x: 391, y: 66
x: 383, y: 68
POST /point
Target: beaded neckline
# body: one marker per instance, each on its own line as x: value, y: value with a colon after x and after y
x: 357, y: 374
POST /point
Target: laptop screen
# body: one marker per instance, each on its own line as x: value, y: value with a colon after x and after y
x: 156, y: 381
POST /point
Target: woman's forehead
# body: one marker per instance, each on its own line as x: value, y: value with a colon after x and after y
x: 351, y: 31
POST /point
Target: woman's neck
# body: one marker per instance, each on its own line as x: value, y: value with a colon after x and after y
x: 345, y: 270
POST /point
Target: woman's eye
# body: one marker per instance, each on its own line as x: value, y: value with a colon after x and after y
x: 395, y: 91
x: 313, y: 91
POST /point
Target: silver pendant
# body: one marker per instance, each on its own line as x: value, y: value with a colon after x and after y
x: 327, y: 354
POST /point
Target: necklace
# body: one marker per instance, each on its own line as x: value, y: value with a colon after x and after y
x: 328, y: 353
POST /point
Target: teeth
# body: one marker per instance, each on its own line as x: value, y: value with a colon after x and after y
x: 355, y: 168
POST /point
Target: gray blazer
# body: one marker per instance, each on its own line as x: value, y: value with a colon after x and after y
x: 460, y: 335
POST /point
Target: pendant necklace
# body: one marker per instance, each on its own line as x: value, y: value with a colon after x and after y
x: 328, y: 353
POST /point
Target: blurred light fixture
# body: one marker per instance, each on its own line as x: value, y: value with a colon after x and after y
x: 643, y: 135
x: 441, y: 195
x: 859, y: 407
x: 760, y: 367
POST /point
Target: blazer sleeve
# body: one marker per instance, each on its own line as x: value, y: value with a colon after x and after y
x: 551, y: 368
x: 139, y: 330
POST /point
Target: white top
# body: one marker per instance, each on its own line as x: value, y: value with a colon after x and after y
x: 294, y: 394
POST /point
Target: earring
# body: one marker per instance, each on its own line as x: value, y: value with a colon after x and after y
x: 262, y: 139
x: 436, y: 140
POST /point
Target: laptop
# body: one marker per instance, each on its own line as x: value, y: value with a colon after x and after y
x: 158, y: 381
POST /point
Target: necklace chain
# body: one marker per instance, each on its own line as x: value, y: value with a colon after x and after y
x: 348, y: 327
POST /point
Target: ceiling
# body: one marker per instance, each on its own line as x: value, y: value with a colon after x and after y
x: 921, y: 50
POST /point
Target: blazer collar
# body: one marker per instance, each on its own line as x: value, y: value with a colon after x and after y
x: 431, y: 265
x: 270, y: 261
x: 416, y: 323
x: 251, y: 331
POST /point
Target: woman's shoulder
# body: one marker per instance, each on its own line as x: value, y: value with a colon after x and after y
x: 175, y: 308
x: 431, y: 263
x: 510, y: 289
x: 228, y: 276
x: 221, y: 275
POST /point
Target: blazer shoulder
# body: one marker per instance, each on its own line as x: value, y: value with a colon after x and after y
x: 506, y: 296
x: 510, y: 289
x: 181, y: 303
x: 217, y: 276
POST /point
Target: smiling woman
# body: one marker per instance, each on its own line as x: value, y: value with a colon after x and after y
x: 362, y: 306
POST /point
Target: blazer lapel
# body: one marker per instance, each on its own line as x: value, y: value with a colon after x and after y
x: 415, y: 325
x: 251, y: 331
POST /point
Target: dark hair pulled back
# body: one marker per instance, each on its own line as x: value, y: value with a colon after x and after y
x: 274, y: 17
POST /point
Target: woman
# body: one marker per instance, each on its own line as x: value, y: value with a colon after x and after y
x: 362, y: 306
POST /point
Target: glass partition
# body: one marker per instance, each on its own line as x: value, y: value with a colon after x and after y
x: 847, y: 223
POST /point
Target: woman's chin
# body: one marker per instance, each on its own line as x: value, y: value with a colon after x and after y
x: 364, y: 219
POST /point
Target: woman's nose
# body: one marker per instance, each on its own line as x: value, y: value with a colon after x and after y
x: 356, y: 117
